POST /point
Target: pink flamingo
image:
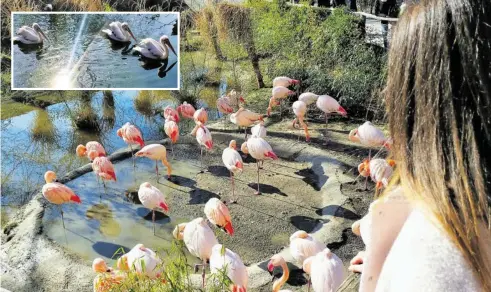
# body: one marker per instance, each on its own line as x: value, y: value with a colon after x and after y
x: 156, y: 152
x: 107, y: 278
x: 278, y: 93
x: 199, y: 240
x: 299, y: 109
x: 303, y: 246
x: 278, y: 261
x: 380, y: 170
x: 102, y: 167
x: 203, y: 136
x: 141, y: 260
x: 219, y: 215
x: 223, y: 258
x: 90, y: 146
x: 170, y: 113
x: 329, y: 105
x: 186, y: 110
x: 234, y: 99
x: 259, y: 149
x: 259, y: 130
x: 285, y: 81
x: 172, y: 131
x: 131, y: 135
x: 200, y: 116
x: 308, y: 97
x: 326, y: 271
x: 233, y: 162
x: 57, y: 193
x: 152, y: 198
x: 245, y: 118
x: 223, y: 105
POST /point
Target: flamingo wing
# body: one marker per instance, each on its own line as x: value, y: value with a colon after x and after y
x: 57, y: 193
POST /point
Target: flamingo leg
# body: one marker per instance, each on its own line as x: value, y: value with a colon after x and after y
x: 234, y: 199
x: 245, y: 138
x: 309, y: 283
x: 326, y: 130
x: 132, y: 156
x: 201, y: 157
x: 62, y: 220
x: 281, y: 110
x: 366, y: 179
x: 157, y: 169
x: 257, y: 192
x: 204, y: 273
x: 153, y: 221
x: 172, y: 149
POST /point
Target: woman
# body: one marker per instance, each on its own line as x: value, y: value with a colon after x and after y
x: 430, y: 231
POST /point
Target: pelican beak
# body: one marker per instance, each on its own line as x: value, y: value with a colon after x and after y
x: 132, y: 35
x: 167, y: 42
x: 44, y: 36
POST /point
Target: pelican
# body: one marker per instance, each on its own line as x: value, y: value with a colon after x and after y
x: 152, y: 49
x: 30, y: 36
x: 119, y: 32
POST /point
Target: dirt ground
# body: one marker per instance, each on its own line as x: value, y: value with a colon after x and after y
x: 313, y: 187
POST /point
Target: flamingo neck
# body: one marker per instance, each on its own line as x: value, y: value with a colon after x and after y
x: 281, y: 281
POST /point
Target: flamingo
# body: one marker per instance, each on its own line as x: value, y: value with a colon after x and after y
x: 107, y: 278
x: 223, y: 258
x: 308, y: 97
x: 245, y: 118
x: 326, y: 271
x: 203, y: 136
x: 198, y: 238
x: 259, y: 130
x: 90, y: 146
x: 200, y: 116
x: 156, y: 152
x: 30, y: 36
x: 172, y: 131
x: 152, y: 198
x: 284, y: 81
x: 299, y: 109
x: 259, y: 149
x: 172, y: 114
x: 378, y: 169
x: 131, y: 135
x: 233, y: 162
x: 186, y: 110
x: 219, y: 215
x: 152, y: 49
x: 278, y: 261
x: 57, y: 193
x: 142, y: 260
x: 102, y: 167
x: 234, y: 99
x: 223, y: 105
x: 303, y: 246
x: 329, y: 105
x: 119, y: 32
x: 278, y: 93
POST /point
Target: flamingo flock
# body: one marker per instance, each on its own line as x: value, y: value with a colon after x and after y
x: 324, y: 268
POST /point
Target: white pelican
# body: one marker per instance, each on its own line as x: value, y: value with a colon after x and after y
x: 152, y: 49
x: 119, y: 32
x: 30, y: 36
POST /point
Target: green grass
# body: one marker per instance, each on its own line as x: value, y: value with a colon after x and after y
x: 10, y: 109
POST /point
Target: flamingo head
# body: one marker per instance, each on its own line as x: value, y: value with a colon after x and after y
x: 81, y: 150
x: 178, y: 232
x: 391, y: 162
x: 233, y: 144
x: 276, y: 260
x: 299, y: 234
x: 342, y: 111
x: 93, y: 155
x: 353, y: 136
x: 291, y: 92
x: 244, y: 148
x: 164, y: 40
x: 145, y: 185
x: 364, y: 168
x: 126, y: 27
x: 120, y: 133
x: 49, y: 176
x: 99, y: 266
x: 241, y: 99
x: 388, y: 143
x: 295, y: 82
x: 122, y: 263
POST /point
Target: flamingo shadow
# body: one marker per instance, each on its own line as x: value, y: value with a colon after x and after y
x: 311, y: 178
x: 201, y: 196
x: 307, y: 224
x: 108, y: 249
x: 267, y: 189
x: 338, y: 211
x: 218, y: 170
x: 182, y: 181
x: 147, y: 215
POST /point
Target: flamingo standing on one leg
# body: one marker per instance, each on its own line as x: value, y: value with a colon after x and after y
x: 152, y: 198
x: 223, y: 258
x: 259, y: 149
x: 223, y: 105
x: 303, y: 246
x: 172, y: 114
x: 107, y: 278
x: 186, y: 110
x: 278, y: 93
x: 172, y: 131
x: 57, y: 193
x: 299, y: 109
x: 380, y: 170
x: 156, y: 152
x: 141, y: 260
x: 245, y: 118
x: 83, y: 150
x: 329, y: 105
x: 199, y: 240
x: 102, y: 167
x: 131, y: 135
x: 326, y: 271
x: 200, y: 116
x: 219, y: 215
x: 203, y: 136
x: 285, y: 81
x: 259, y: 130
x: 278, y: 261
x: 233, y: 162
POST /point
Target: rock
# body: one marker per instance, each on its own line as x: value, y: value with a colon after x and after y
x: 351, y: 284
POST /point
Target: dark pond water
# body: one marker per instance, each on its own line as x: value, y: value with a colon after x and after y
x: 78, y: 55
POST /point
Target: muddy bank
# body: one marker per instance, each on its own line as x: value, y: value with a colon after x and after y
x: 311, y: 188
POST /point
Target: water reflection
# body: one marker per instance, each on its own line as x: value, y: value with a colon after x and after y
x: 103, y: 214
x: 43, y: 129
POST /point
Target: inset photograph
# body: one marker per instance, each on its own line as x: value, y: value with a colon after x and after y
x: 95, y: 50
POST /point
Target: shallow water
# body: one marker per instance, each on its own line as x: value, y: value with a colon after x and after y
x: 78, y: 55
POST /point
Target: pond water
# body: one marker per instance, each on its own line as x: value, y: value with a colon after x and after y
x: 78, y: 55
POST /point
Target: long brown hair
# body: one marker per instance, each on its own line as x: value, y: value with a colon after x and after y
x: 438, y: 99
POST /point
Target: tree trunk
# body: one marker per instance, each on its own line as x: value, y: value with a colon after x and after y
x: 251, y: 52
x: 214, y: 35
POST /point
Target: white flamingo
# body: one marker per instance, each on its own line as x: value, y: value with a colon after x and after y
x: 219, y: 215
x: 30, y: 35
x: 326, y: 271
x: 152, y: 49
x: 152, y: 198
x: 284, y: 81
x: 260, y: 150
x: 329, y: 105
x: 259, y: 130
x: 308, y: 97
x: 245, y: 118
x: 119, y: 32
x: 233, y: 162
x: 142, y: 260
x: 223, y: 258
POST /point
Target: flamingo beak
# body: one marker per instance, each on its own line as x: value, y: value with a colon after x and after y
x: 167, y: 42
x: 270, y: 266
